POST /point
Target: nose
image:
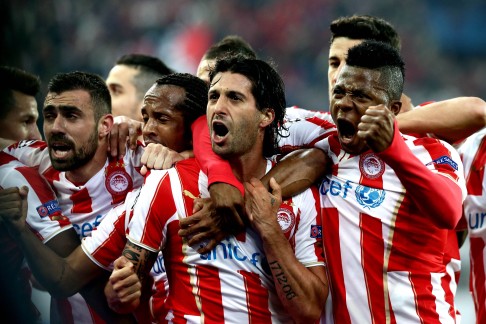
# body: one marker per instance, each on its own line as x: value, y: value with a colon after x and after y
x: 343, y: 103
x: 57, y: 125
x: 149, y: 128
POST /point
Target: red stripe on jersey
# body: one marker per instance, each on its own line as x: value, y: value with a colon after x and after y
x: 81, y: 202
x: 64, y: 309
x: 52, y: 175
x: 474, y: 180
x: 330, y: 218
x: 318, y: 247
x: 372, y: 259
x: 113, y: 244
x: 41, y: 187
x: 446, y: 285
x: 477, y: 279
x: 424, y: 298
x: 6, y: 158
x: 256, y: 298
x: 210, y: 294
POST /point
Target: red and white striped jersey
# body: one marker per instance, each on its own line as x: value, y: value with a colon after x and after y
x: 473, y: 153
x: 42, y: 204
x: 106, y: 244
x: 232, y: 283
x: 385, y: 258
x: 84, y: 204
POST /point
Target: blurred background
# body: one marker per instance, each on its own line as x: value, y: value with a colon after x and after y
x: 443, y: 43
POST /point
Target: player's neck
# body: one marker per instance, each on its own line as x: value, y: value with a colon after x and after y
x: 250, y: 165
x: 82, y: 174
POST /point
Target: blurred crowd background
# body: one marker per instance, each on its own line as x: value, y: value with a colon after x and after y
x: 443, y: 41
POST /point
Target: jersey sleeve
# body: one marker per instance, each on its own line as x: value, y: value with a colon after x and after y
x: 30, y: 153
x: 434, y: 179
x: 151, y: 212
x: 44, y: 216
x: 305, y: 133
x: 217, y: 169
x: 107, y: 241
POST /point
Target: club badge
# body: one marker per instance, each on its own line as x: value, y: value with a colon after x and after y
x: 371, y: 166
x: 286, y: 219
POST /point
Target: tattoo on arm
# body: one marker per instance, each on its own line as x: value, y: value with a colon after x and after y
x: 272, y: 200
x: 141, y: 259
x: 281, y: 279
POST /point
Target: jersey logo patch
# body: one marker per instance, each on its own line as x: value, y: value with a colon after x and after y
x: 118, y: 182
x: 369, y: 197
x: 286, y: 219
x: 48, y: 208
x: 371, y: 166
x: 316, y: 231
x: 446, y: 160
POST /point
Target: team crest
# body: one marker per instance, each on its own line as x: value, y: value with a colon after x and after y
x: 369, y: 197
x: 371, y: 166
x: 118, y: 182
x: 286, y: 219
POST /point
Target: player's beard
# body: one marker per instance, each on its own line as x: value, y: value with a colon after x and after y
x: 80, y: 157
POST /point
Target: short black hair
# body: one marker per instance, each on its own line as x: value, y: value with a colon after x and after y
x: 90, y: 82
x: 150, y: 69
x: 196, y: 98
x: 365, y: 27
x: 15, y: 79
x: 380, y: 56
x: 268, y: 89
x: 228, y: 46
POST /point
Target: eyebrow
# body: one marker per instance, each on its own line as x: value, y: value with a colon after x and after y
x: 64, y: 109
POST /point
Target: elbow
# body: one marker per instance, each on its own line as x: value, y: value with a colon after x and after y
x: 478, y: 108
x: 448, y: 220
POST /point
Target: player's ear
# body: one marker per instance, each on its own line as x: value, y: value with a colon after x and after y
x: 395, y: 107
x: 268, y: 115
x: 105, y: 125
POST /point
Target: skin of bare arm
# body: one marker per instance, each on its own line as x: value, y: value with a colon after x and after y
x: 134, y: 260
x: 450, y: 120
x: 303, y: 299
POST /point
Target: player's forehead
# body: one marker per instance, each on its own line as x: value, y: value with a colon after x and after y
x: 340, y: 47
x: 77, y: 98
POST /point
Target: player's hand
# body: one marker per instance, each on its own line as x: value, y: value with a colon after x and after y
x: 13, y: 208
x: 160, y: 157
x: 214, y: 218
x: 123, y: 290
x: 124, y: 129
x: 376, y: 127
x: 262, y: 206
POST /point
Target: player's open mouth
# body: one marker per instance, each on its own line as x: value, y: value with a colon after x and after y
x: 60, y: 150
x: 219, y: 131
x: 346, y: 130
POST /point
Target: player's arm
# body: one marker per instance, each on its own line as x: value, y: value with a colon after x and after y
x: 450, y: 120
x: 436, y: 196
x: 303, y: 299
x: 61, y: 277
x: 132, y: 272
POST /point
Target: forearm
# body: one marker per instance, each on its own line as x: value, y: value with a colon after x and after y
x: 303, y: 299
x: 49, y: 269
x: 298, y: 171
x: 450, y: 120
x: 436, y: 196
